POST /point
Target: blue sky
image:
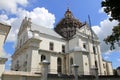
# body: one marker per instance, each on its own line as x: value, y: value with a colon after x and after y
x: 49, y: 12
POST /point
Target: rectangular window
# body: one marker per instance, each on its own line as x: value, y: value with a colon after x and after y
x: 103, y: 65
x: 96, y: 64
x: 51, y: 46
x: 94, y: 50
x: 63, y: 48
x: 84, y: 45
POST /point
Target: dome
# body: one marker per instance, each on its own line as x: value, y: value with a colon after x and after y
x: 67, y: 26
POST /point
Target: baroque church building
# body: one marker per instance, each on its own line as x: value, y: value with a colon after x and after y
x: 70, y: 42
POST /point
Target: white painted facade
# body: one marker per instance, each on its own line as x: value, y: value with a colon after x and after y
x: 33, y: 45
x: 4, y: 30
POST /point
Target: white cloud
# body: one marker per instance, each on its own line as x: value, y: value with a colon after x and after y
x: 12, y: 5
x: 108, y: 52
x: 96, y: 29
x: 106, y: 57
x: 103, y: 31
x: 4, y: 18
x: 101, y: 10
x: 40, y: 16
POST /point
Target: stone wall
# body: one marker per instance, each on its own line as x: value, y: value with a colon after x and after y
x: 30, y: 76
x: 85, y: 77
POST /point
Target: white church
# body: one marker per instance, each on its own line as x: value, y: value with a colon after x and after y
x: 70, y: 42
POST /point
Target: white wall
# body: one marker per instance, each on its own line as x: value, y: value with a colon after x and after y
x: 2, y: 66
x: 2, y: 38
x: 46, y: 40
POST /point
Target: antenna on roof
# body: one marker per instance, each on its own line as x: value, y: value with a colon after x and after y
x: 68, y: 5
x: 94, y: 50
x: 89, y: 21
x: 91, y: 29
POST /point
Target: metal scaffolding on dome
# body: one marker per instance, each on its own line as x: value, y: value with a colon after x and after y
x: 67, y: 26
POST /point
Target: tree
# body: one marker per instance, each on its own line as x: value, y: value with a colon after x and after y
x: 112, y: 8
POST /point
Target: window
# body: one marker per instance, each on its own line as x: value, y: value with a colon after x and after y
x: 20, y: 42
x: 59, y: 65
x: 71, y: 61
x: 63, y: 48
x: 103, y: 65
x: 96, y: 64
x: 51, y: 45
x: 94, y: 50
x: 17, y: 66
x: 84, y: 45
x: 86, y: 63
x: 43, y: 57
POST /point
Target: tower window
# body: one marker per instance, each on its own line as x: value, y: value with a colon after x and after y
x: 63, y: 48
x: 51, y: 46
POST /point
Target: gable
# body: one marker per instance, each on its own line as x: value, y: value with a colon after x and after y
x: 86, y: 30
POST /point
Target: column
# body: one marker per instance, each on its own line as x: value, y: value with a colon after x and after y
x: 95, y: 73
x: 75, y: 68
x: 44, y: 64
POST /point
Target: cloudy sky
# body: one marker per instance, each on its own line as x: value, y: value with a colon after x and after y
x: 49, y: 12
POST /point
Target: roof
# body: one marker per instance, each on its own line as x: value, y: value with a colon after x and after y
x: 44, y: 30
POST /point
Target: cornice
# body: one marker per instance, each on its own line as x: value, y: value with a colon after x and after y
x: 3, y: 60
x: 5, y: 29
x: 52, y: 52
x: 28, y: 44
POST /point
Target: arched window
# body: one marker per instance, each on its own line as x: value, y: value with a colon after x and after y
x: 59, y: 65
x: 96, y: 64
x: 71, y: 61
x: 43, y: 57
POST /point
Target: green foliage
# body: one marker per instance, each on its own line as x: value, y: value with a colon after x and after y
x: 114, y: 37
x: 112, y: 8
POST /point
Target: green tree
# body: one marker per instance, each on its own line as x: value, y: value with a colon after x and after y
x: 112, y: 8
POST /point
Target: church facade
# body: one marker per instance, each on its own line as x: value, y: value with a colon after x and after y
x: 70, y: 42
